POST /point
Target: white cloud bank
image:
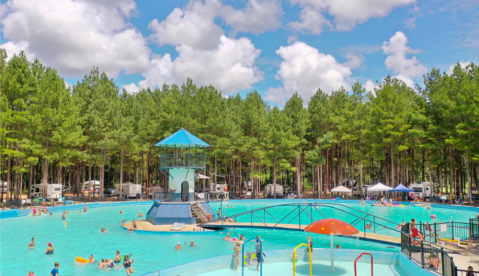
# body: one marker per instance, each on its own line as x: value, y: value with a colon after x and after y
x: 406, y: 69
x: 205, y: 54
x: 304, y: 69
x: 346, y: 13
x: 194, y: 24
x: 229, y: 67
x: 75, y: 36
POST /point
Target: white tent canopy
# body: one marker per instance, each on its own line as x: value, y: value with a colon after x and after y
x: 379, y: 188
x: 200, y: 176
x: 93, y: 182
x: 341, y: 189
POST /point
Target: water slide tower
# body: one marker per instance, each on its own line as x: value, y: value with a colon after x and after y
x: 182, y: 158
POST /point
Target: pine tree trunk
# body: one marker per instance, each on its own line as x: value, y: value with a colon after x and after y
x: 392, y: 166
x: 298, y: 176
x: 469, y: 179
x: 30, y: 181
x: 121, y: 173
x: 45, y: 177
x: 102, y: 174
x: 274, y: 178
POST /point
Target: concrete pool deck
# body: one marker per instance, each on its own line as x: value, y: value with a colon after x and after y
x: 143, y: 225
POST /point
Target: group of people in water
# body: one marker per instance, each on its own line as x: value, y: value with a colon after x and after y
x: 125, y: 261
x: 384, y: 203
x: 191, y: 244
x: 237, y: 248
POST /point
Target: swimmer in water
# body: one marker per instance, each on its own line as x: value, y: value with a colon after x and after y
x: 64, y: 216
x: 127, y: 264
x: 140, y: 215
x: 227, y: 237
x: 91, y: 258
x: 31, y: 245
x: 123, y: 222
x: 80, y: 212
x: 103, y: 230
x: 85, y: 209
x: 368, y: 226
x: 101, y: 264
x: 50, y: 249
x: 178, y: 246
x: 259, y: 238
x: 192, y: 244
x: 117, y: 258
x: 362, y: 202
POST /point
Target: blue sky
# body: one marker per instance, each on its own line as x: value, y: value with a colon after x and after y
x: 275, y: 47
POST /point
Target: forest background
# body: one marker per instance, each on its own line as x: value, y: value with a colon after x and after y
x: 51, y: 133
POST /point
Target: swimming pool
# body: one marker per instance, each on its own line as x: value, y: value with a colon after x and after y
x: 151, y: 251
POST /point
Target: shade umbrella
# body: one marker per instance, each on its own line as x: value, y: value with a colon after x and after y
x: 200, y: 176
x: 331, y: 227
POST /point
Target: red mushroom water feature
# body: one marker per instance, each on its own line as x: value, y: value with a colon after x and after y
x: 331, y: 227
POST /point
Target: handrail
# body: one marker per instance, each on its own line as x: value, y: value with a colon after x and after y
x: 329, y: 205
x: 242, y: 257
x: 310, y: 262
x: 372, y: 262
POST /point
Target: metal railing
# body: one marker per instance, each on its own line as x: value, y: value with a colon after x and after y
x: 461, y: 272
x: 474, y: 226
x: 264, y: 217
x: 182, y: 160
x: 450, y: 230
x: 429, y: 256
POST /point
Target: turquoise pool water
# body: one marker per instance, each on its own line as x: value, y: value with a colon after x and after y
x: 322, y: 268
x: 151, y: 251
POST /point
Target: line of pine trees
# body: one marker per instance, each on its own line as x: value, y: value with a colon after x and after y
x: 54, y: 134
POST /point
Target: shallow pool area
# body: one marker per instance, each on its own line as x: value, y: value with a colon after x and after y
x: 81, y: 236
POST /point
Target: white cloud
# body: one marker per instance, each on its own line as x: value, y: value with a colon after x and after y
x: 407, y: 69
x: 451, y: 67
x: 194, y: 25
x: 15, y: 49
x: 349, y: 13
x: 411, y: 23
x: 257, y: 17
x: 74, y: 36
x: 354, y: 61
x: 312, y: 22
x: 68, y: 85
x: 229, y: 67
x: 292, y: 39
x: 304, y: 69
x: 131, y: 88
x: 370, y: 86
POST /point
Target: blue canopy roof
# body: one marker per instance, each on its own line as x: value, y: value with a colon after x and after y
x: 401, y: 188
x: 182, y: 138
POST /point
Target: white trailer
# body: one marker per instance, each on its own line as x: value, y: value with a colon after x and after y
x: 130, y: 190
x: 269, y: 190
x: 421, y: 189
x: 53, y: 191
x: 3, y: 186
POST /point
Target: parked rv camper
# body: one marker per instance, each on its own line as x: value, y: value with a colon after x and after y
x: 129, y: 190
x: 421, y: 189
x: 270, y: 190
x: 53, y: 191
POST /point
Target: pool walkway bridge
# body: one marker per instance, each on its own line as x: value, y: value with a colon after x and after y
x: 302, y: 214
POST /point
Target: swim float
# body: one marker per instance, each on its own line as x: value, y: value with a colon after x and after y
x: 233, y: 239
x: 81, y: 260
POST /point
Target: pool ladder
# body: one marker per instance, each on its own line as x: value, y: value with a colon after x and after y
x: 355, y: 261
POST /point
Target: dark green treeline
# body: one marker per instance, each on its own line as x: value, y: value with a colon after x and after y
x: 54, y: 134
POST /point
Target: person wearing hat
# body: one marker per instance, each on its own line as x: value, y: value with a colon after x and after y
x: 178, y: 246
x: 50, y: 249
